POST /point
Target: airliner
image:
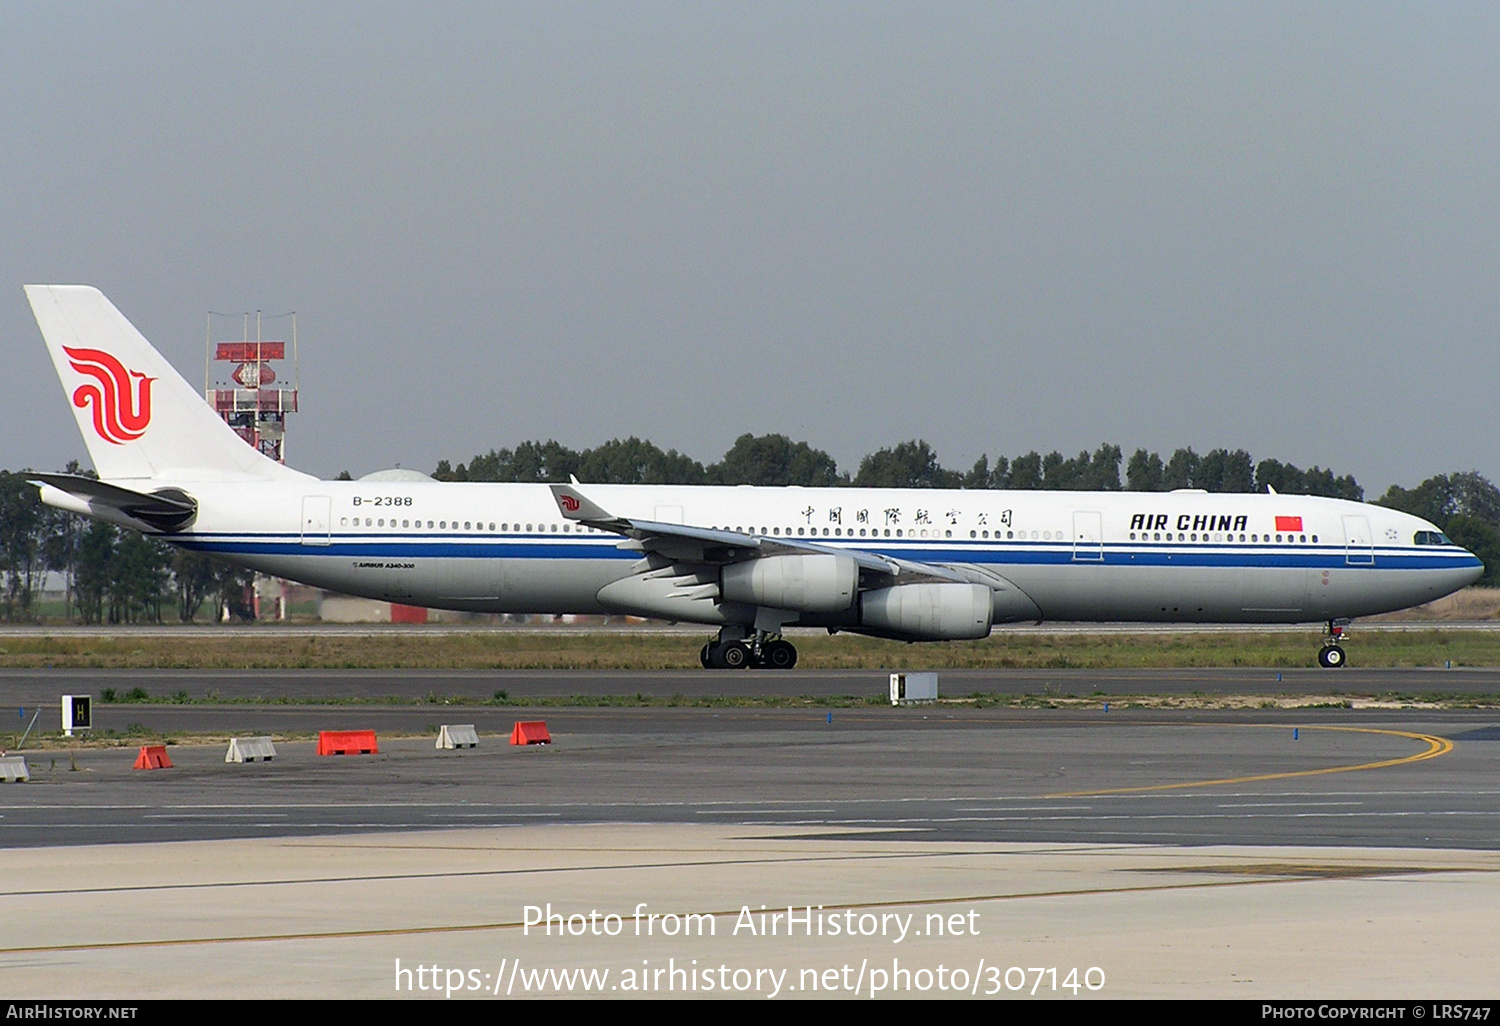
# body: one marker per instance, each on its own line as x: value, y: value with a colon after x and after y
x: 750, y: 562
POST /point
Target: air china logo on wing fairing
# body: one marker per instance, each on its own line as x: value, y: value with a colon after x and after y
x: 570, y: 504
x: 119, y: 415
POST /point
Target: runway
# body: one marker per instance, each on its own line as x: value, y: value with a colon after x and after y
x: 1114, y: 830
x: 1321, y: 776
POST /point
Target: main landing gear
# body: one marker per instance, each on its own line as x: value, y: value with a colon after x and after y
x: 1332, y: 655
x: 734, y: 650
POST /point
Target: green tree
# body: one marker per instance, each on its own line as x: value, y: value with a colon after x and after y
x: 775, y: 460
x: 234, y: 586
x: 1181, y: 470
x: 21, y: 557
x: 982, y: 476
x: 1145, y: 473
x: 1225, y: 471
x: 139, y: 575
x: 91, y: 582
x: 196, y: 578
x: 1290, y: 480
x: 1099, y: 472
x: 1444, y: 496
x: 1026, y: 472
x: 911, y: 464
x: 633, y: 461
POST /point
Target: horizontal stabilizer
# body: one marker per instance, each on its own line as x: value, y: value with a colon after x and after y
x: 167, y: 510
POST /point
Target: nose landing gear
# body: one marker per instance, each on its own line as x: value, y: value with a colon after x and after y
x: 1332, y: 654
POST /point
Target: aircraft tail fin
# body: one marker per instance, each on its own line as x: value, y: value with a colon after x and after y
x: 139, y: 418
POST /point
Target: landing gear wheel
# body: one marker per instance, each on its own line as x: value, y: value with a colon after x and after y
x: 733, y: 655
x: 1331, y: 657
x: 778, y: 655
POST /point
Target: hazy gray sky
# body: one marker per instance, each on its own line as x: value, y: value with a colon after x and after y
x: 997, y: 227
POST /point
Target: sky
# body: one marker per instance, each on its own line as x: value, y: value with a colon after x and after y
x: 995, y: 227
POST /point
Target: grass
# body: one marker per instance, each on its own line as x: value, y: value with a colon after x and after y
x: 263, y: 649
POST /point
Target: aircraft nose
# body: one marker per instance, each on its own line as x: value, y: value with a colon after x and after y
x: 1476, y: 571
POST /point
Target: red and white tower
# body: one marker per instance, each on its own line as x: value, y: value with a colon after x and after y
x: 251, y: 402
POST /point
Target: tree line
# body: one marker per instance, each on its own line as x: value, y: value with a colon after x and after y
x: 776, y: 460
x: 118, y: 576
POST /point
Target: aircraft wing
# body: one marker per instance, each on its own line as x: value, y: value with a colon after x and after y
x: 683, y: 544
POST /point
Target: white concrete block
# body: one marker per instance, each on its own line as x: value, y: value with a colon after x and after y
x: 249, y: 749
x: 458, y: 735
x: 13, y: 769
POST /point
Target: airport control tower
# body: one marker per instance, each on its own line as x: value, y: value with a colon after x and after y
x: 251, y: 401
x: 255, y: 406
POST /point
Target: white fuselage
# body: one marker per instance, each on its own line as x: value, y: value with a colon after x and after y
x: 1085, y: 556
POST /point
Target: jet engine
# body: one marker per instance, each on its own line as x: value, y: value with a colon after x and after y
x: 927, y: 612
x: 805, y: 583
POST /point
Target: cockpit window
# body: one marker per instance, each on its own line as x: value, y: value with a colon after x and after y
x: 1431, y: 538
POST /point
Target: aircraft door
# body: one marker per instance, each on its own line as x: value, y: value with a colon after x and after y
x: 317, y: 518
x: 1088, y: 536
x: 1359, y: 547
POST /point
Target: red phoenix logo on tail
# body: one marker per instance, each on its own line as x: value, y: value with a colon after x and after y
x: 120, y: 416
x: 569, y: 503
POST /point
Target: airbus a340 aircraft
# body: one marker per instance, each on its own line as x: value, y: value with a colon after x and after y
x: 915, y: 565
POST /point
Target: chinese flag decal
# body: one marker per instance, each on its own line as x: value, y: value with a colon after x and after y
x: 1289, y: 523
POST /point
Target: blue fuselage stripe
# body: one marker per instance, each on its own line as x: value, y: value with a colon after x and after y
x: 950, y: 551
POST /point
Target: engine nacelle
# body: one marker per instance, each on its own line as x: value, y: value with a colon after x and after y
x: 928, y: 612
x: 812, y: 583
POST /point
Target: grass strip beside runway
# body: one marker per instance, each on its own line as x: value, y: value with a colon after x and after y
x: 264, y: 648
